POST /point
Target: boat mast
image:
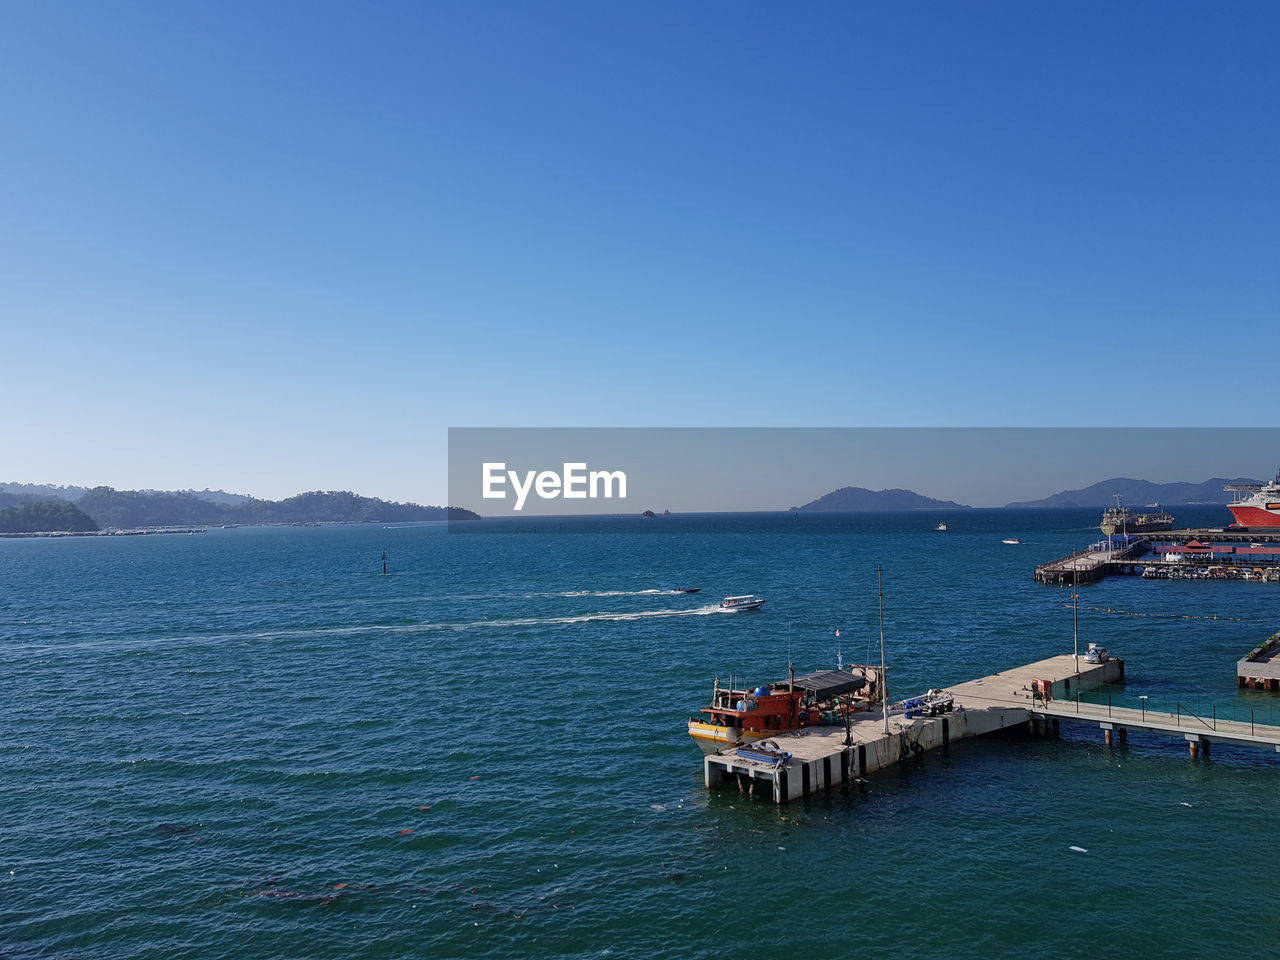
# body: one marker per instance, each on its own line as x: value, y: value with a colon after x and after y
x: 884, y: 674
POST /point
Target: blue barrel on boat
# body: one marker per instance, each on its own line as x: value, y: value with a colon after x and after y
x: 762, y: 691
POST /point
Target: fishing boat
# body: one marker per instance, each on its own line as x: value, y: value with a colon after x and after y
x: 738, y: 716
x: 941, y: 526
x: 1118, y: 519
x: 742, y: 603
x: 1261, y: 508
x: 1010, y: 540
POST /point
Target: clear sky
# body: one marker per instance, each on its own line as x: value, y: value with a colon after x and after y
x: 282, y: 246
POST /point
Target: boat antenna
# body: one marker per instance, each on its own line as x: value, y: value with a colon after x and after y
x: 884, y: 674
x: 839, y: 653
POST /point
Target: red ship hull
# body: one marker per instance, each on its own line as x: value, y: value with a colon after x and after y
x: 1255, y: 516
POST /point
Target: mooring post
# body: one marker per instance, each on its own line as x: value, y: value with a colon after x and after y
x: 1124, y: 735
x: 1107, y: 737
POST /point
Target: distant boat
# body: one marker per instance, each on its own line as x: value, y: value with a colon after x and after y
x: 742, y: 603
x: 941, y: 526
x: 688, y: 589
x: 1010, y: 540
x: 1118, y: 519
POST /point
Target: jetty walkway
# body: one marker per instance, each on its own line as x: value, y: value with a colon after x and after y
x: 1198, y: 731
x: 1038, y: 696
x: 822, y: 757
x: 1088, y: 566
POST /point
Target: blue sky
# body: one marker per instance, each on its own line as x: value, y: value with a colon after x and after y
x: 275, y: 247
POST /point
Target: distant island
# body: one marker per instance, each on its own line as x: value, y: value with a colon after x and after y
x: 849, y: 499
x: 1139, y: 493
x: 28, y: 508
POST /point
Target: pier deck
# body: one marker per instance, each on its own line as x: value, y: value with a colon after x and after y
x: 1260, y: 669
x: 1221, y: 536
x: 1086, y: 566
x: 822, y: 757
x: 1199, y: 732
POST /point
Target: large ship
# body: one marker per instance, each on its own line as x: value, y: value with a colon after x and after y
x: 1256, y: 505
x: 1118, y: 519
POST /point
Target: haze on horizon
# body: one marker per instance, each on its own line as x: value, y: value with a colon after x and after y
x: 733, y: 469
x: 281, y: 248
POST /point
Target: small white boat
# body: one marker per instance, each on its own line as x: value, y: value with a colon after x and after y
x: 742, y: 603
x: 941, y: 526
x: 1010, y: 540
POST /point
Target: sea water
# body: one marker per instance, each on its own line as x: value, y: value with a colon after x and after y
x: 251, y: 743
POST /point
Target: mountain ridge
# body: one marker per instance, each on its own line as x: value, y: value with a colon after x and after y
x: 1137, y: 493
x: 110, y: 508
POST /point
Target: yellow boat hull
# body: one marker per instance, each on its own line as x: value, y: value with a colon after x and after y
x: 712, y: 737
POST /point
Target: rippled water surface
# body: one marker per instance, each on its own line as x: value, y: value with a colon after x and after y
x: 249, y: 743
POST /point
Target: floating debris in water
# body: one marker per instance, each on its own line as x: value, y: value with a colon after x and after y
x: 657, y: 806
x: 1078, y: 849
x: 405, y: 831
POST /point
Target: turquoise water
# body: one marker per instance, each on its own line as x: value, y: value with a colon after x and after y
x: 215, y: 746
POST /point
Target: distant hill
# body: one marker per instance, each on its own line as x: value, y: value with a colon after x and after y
x: 43, y: 516
x: 848, y: 499
x: 213, y: 496
x: 141, y: 508
x: 30, y: 492
x: 1139, y: 493
x: 122, y: 509
x: 11, y: 493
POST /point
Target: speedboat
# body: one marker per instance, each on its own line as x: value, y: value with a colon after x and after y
x: 687, y: 589
x: 1010, y: 540
x: 742, y: 603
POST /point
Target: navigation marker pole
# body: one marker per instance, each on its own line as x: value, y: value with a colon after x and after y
x: 1075, y: 621
x: 384, y: 563
x: 884, y: 675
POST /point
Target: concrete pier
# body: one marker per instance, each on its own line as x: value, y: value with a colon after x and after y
x: 822, y: 757
x: 1199, y: 732
x: 1089, y: 566
x: 1260, y: 668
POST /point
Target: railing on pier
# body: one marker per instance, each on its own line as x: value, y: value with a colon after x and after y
x: 1202, y: 717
